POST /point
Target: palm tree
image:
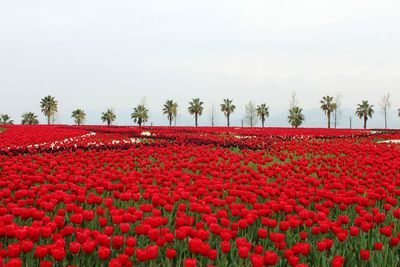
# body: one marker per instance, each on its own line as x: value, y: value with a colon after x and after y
x: 365, y: 110
x: 6, y: 119
x: 140, y: 114
x: 79, y: 116
x: 227, y: 108
x: 262, y: 112
x: 328, y: 106
x: 49, y: 106
x: 296, y: 116
x: 29, y: 118
x: 108, y: 116
x: 195, y: 108
x: 170, y: 110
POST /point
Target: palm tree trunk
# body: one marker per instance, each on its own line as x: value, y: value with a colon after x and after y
x: 108, y: 122
x: 329, y: 119
x: 195, y: 119
x: 365, y: 122
x: 48, y: 119
x: 170, y: 119
x: 227, y: 119
x: 263, y: 121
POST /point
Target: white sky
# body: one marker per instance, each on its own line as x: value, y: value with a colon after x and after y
x: 97, y: 54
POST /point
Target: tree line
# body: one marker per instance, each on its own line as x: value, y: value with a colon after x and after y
x: 140, y: 114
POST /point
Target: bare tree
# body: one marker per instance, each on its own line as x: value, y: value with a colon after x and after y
x: 337, y: 113
x: 250, y: 117
x: 56, y: 117
x: 385, y: 105
x: 213, y: 114
x: 293, y: 100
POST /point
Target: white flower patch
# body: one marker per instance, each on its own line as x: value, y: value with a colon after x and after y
x: 147, y: 133
x: 395, y: 141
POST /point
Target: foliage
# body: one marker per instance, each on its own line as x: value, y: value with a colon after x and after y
x: 5, y: 119
x: 170, y: 109
x: 262, y: 112
x: 79, y: 116
x: 296, y: 116
x: 328, y: 106
x: 250, y: 117
x: 29, y: 118
x: 48, y: 105
x: 227, y: 108
x: 196, y: 108
x: 365, y: 110
x: 140, y: 114
x: 108, y: 116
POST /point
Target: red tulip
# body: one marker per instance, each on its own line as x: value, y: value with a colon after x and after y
x: 243, y: 252
x: 189, y: 263
x: 170, y: 253
x: 378, y: 246
x: 365, y: 254
x: 337, y: 261
x: 270, y: 258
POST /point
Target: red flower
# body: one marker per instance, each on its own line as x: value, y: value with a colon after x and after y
x: 243, y: 252
x: 212, y: 254
x: 378, y: 246
x: 257, y: 260
x: 40, y: 251
x: 365, y: 254
x: 124, y: 227
x: 170, y: 253
x: 394, y: 241
x: 321, y: 245
x: 76, y: 218
x: 74, y: 247
x: 225, y: 246
x: 262, y: 233
x: 270, y: 258
x: 117, y: 241
x: 189, y: 262
x: 337, y: 261
x: 26, y: 245
x: 396, y: 213
x: 354, y: 231
x: 58, y: 254
x: 130, y: 241
x: 141, y: 254
x: 15, y: 262
x: 303, y: 235
x: 386, y: 230
x: 13, y: 250
x: 152, y: 252
x: 45, y: 264
x: 103, y: 253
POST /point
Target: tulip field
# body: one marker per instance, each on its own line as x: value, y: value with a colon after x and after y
x: 204, y: 196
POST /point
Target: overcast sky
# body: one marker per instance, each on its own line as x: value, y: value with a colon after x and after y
x: 95, y: 54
